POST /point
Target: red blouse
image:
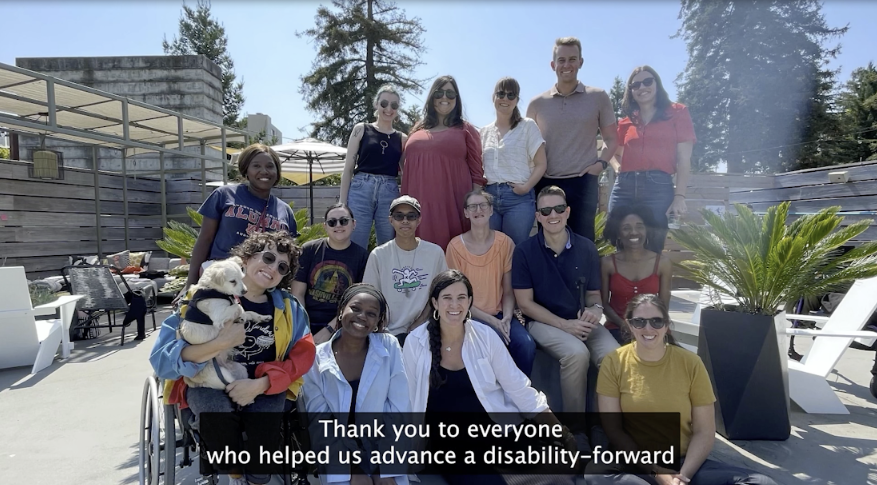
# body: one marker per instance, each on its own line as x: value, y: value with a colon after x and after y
x: 653, y: 146
x: 622, y: 290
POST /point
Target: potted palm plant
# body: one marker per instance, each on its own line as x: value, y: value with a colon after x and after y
x: 752, y: 264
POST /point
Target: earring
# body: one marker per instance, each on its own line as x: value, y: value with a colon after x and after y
x: 435, y: 315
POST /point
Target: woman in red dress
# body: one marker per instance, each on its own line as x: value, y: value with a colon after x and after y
x: 442, y: 163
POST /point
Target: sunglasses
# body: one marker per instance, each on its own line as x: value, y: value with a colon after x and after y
x: 333, y: 222
x: 385, y: 103
x: 502, y: 95
x: 474, y: 207
x: 657, y: 323
x: 645, y: 82
x: 411, y: 216
x: 449, y: 93
x: 269, y: 258
x: 546, y: 211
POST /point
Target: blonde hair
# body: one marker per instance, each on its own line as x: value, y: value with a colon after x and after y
x: 387, y: 88
x: 566, y: 41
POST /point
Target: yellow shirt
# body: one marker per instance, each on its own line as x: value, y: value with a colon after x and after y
x: 676, y: 383
x: 485, y: 272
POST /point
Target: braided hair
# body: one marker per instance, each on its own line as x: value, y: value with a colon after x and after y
x: 368, y: 289
x: 439, y: 283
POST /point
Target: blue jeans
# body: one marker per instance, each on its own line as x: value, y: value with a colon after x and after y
x: 652, y: 189
x: 521, y: 345
x: 369, y: 199
x: 253, y: 426
x: 581, y: 196
x: 513, y: 214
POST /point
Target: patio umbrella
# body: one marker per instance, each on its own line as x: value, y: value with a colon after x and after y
x: 301, y: 156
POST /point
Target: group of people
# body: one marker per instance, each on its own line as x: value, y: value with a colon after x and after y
x: 446, y: 313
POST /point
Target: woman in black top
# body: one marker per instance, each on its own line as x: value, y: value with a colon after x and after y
x: 374, y: 157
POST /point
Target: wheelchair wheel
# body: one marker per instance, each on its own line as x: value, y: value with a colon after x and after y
x: 157, y: 457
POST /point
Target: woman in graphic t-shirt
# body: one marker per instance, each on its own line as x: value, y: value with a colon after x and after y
x: 374, y: 154
x: 234, y: 212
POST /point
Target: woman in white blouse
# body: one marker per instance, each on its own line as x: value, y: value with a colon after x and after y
x: 456, y: 365
x: 359, y: 370
x: 513, y: 154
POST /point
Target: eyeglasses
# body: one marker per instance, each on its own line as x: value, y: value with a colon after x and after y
x: 333, y: 222
x: 449, y: 93
x: 474, y: 207
x: 657, y: 323
x: 411, y: 216
x: 645, y: 82
x: 385, y: 103
x: 269, y: 258
x: 546, y: 211
x: 502, y: 95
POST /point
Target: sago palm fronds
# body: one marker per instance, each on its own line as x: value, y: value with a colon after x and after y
x: 604, y: 247
x: 179, y: 239
x: 761, y: 262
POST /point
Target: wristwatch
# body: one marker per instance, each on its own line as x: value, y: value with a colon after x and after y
x: 603, y: 162
x: 597, y: 305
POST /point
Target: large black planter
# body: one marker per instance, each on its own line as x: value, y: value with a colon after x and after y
x: 745, y: 357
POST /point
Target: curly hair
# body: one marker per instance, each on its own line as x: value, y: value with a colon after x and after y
x: 613, y: 223
x: 655, y: 301
x: 368, y: 289
x: 282, y: 241
x: 442, y: 281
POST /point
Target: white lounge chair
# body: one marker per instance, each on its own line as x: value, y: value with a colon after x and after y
x: 807, y: 379
x: 23, y: 340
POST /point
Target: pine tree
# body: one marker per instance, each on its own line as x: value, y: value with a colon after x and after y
x: 202, y: 34
x: 361, y: 45
x: 756, y: 81
x: 616, y: 94
x: 859, y: 114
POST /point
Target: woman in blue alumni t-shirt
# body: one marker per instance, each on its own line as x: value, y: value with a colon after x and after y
x: 233, y: 212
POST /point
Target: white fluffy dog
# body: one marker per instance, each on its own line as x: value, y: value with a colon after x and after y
x: 213, y: 303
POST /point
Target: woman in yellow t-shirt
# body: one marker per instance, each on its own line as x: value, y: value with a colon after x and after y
x: 485, y: 257
x: 654, y: 375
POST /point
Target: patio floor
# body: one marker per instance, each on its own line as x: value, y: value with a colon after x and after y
x: 76, y: 422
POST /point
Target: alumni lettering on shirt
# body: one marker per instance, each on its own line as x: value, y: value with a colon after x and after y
x: 252, y: 216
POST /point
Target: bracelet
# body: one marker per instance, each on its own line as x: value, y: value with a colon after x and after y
x: 679, y: 195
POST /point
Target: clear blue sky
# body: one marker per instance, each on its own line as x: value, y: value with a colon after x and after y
x: 476, y: 41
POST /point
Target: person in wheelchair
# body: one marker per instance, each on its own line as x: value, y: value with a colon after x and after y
x: 276, y: 353
x: 359, y: 370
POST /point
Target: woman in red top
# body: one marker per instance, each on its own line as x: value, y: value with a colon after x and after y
x: 654, y: 142
x: 633, y: 269
x: 442, y: 163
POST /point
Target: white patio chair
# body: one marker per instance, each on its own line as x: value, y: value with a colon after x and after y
x: 24, y: 340
x: 807, y: 379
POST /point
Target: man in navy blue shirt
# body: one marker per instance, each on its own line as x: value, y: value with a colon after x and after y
x: 556, y: 278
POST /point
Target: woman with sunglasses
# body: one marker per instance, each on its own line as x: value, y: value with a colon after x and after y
x: 442, y: 163
x: 374, y: 157
x: 233, y: 212
x: 514, y: 161
x: 359, y: 370
x: 654, y: 375
x: 276, y: 353
x: 632, y: 269
x: 485, y: 257
x: 328, y: 267
x: 654, y: 143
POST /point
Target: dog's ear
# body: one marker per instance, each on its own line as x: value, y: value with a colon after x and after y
x: 238, y: 261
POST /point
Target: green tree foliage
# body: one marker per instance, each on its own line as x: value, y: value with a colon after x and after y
x: 202, y: 34
x: 361, y: 44
x: 756, y: 81
x: 4, y: 153
x: 616, y: 94
x: 858, y: 104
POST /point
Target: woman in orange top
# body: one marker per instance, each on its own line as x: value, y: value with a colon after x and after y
x: 654, y: 143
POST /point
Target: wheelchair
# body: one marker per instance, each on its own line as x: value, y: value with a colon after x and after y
x: 164, y: 428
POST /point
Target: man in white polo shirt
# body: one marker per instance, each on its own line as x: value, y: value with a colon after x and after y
x: 569, y: 116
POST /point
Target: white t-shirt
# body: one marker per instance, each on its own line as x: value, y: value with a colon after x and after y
x: 510, y: 158
x: 404, y: 278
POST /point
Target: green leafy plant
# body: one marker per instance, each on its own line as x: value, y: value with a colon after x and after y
x: 604, y: 248
x: 179, y: 239
x: 761, y: 262
x: 40, y: 295
x: 4, y: 153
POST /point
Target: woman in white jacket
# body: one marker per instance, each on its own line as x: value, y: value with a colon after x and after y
x: 359, y: 370
x: 456, y: 365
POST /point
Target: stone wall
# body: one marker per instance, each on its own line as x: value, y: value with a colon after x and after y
x: 190, y: 85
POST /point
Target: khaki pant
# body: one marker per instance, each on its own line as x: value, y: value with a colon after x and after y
x: 574, y: 357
